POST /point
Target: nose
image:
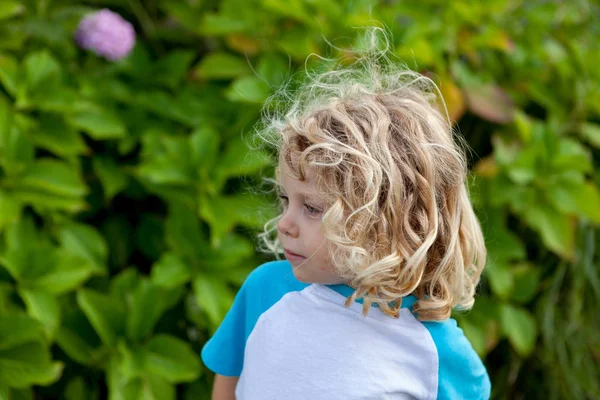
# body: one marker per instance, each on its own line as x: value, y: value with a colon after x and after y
x: 287, y: 225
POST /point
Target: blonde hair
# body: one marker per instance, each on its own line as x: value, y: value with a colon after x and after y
x: 383, y: 156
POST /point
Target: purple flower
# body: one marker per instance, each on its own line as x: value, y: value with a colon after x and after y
x: 106, y: 33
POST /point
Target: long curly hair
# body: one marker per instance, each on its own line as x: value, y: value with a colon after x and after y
x: 386, y: 160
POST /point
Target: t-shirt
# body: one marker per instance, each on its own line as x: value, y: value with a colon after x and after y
x: 287, y: 340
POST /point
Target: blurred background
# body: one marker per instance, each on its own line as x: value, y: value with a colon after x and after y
x: 127, y: 210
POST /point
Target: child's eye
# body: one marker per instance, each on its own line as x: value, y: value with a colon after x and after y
x: 284, y: 200
x: 311, y: 210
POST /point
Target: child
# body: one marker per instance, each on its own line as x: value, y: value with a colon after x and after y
x: 381, y: 243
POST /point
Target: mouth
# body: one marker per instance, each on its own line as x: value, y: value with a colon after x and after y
x: 291, y: 255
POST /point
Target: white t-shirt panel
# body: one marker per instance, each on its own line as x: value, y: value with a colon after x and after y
x: 309, y: 346
x: 289, y: 340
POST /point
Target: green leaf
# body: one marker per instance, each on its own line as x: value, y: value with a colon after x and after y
x: 40, y: 66
x: 500, y: 278
x: 136, y: 382
x: 424, y: 53
x: 147, y: 388
x: 557, y: 230
x: 124, y: 283
x: 297, y: 42
x: 172, y: 359
x: 523, y: 170
x: 475, y: 334
x: 223, y: 213
x: 54, y: 177
x: 22, y: 394
x: 87, y: 243
x: 163, y: 172
x: 524, y: 125
x: 77, y: 338
x: 148, y: 303
x: 180, y: 109
x: 57, y: 98
x: 36, y: 264
x: 208, y: 291
x: 590, y: 132
x: 113, y: 178
x: 239, y: 160
x: 133, y: 361
x: 99, y: 123
x: 294, y: 9
x: 55, y: 135
x: 572, y: 155
x: 166, y: 159
x: 219, y: 24
x: 10, y: 209
x: 219, y: 65
x: 78, y: 390
x: 170, y: 271
x: 22, y: 235
x: 27, y: 256
x: 17, y: 329
x: 44, y: 307
x: 183, y: 233
x: 578, y: 198
x: 204, y: 143
x: 16, y: 151
x: 9, y: 74
x: 520, y: 327
x: 116, y: 380
x: 248, y: 89
x: 273, y: 69
x: 66, y: 273
x: 44, y: 201
x: 7, y: 115
x: 28, y: 364
x: 106, y: 314
x: 502, y: 244
x: 232, y: 251
x: 171, y: 69
x: 484, y: 317
x: 7, y: 393
x: 526, y: 278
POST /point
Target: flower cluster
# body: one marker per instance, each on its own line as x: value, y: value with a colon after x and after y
x: 107, y: 34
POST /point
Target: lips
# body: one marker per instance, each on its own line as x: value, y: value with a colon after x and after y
x: 292, y: 254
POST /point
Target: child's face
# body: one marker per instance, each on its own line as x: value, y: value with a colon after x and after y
x: 300, y: 230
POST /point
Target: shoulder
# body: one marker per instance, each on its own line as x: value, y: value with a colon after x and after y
x: 461, y: 373
x: 270, y: 271
x: 273, y: 279
x: 263, y: 288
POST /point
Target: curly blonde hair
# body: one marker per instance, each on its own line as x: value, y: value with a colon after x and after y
x: 386, y: 161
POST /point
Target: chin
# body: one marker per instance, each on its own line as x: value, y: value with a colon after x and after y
x: 302, y: 276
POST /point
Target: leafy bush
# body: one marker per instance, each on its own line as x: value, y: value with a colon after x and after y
x: 125, y: 221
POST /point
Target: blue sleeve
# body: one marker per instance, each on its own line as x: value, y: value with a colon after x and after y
x: 461, y: 373
x: 224, y: 352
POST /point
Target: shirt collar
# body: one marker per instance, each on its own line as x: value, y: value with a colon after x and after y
x: 345, y: 290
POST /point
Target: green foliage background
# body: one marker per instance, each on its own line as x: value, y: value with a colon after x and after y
x: 126, y: 226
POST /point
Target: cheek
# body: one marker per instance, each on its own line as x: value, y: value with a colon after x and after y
x: 326, y: 268
x: 325, y: 264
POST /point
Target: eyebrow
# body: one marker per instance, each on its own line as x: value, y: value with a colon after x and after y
x: 307, y: 196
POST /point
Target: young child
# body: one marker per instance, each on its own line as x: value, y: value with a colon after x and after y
x: 381, y: 243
